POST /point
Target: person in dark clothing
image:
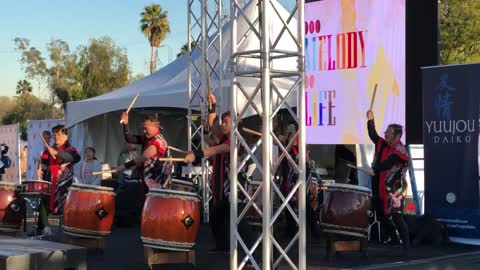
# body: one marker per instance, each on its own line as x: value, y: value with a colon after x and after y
x: 4, y: 160
x: 388, y: 182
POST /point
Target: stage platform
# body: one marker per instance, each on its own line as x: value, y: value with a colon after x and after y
x: 27, y: 254
x: 124, y: 251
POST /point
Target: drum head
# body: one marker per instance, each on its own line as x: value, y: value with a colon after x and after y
x: 349, y: 188
x: 93, y: 187
x: 35, y: 181
x: 172, y: 193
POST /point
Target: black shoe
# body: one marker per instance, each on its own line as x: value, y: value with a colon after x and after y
x: 218, y: 251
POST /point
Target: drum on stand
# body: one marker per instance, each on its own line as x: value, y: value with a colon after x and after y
x: 12, y: 207
x: 344, y: 210
x: 89, y: 211
x: 183, y: 185
x: 170, y: 219
x: 35, y: 188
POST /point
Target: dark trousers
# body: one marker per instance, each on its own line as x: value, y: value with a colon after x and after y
x: 394, y: 223
x: 220, y: 225
x: 42, y: 221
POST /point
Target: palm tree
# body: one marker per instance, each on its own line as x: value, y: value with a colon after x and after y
x: 184, y: 48
x: 154, y: 24
x: 24, y: 87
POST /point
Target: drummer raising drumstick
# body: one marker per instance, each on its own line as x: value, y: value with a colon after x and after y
x: 59, y: 159
x: 388, y: 181
x: 154, y: 146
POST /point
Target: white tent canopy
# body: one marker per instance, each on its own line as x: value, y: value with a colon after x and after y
x: 168, y: 87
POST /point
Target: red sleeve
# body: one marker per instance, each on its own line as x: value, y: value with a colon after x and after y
x: 160, y: 146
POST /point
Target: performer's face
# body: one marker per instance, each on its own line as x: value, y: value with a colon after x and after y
x: 150, y: 128
x: 60, y: 138
x: 390, y: 136
x: 226, y: 125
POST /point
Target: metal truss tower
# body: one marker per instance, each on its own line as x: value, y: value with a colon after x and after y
x: 273, y: 99
x: 205, y: 59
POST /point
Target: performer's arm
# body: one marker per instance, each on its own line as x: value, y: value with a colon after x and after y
x: 372, y: 133
x: 130, y: 138
x: 69, y: 156
x: 387, y: 164
x: 207, y: 152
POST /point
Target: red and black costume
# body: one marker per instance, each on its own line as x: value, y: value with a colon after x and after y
x: 390, y: 167
x: 153, y: 168
x: 60, y: 170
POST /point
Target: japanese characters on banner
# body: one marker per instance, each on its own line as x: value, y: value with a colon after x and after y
x: 351, y: 46
x: 9, y: 135
x: 451, y: 108
x: 35, y: 144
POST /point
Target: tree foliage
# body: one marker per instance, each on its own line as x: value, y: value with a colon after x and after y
x: 93, y: 69
x: 32, y: 61
x: 154, y: 24
x: 29, y: 107
x: 24, y: 87
x: 459, y: 31
x: 184, y: 48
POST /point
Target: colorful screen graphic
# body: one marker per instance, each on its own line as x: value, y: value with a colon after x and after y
x: 351, y: 46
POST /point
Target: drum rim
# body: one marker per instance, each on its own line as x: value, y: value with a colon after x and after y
x: 348, y: 186
x: 182, y: 182
x: 36, y: 181
x: 10, y: 184
x: 95, y: 187
x: 154, y: 191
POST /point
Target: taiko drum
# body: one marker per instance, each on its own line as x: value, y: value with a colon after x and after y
x: 11, y: 207
x: 170, y: 219
x: 89, y: 211
x: 345, y: 210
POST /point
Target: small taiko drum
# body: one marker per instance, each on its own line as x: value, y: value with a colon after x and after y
x: 344, y: 210
x: 170, y: 219
x: 183, y: 185
x: 11, y: 207
x: 35, y: 188
x: 89, y: 211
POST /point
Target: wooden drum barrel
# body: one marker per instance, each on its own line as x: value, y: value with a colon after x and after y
x: 89, y: 211
x: 344, y: 210
x: 11, y: 208
x: 170, y: 219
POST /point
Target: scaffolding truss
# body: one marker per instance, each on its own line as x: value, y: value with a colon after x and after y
x: 274, y: 203
x: 204, y: 38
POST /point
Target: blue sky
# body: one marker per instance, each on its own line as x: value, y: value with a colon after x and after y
x: 78, y: 21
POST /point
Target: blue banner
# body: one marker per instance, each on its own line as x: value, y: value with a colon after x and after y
x: 451, y: 96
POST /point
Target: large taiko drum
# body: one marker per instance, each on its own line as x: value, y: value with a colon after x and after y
x: 344, y: 210
x: 183, y: 185
x: 35, y: 188
x: 11, y: 207
x: 170, y: 219
x: 89, y: 211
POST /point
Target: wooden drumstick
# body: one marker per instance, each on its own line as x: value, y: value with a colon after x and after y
x: 373, y: 96
x: 172, y: 159
x: 46, y: 144
x: 176, y: 149
x: 102, y: 172
x: 358, y: 168
x: 131, y: 104
x: 251, y: 131
x: 209, y: 90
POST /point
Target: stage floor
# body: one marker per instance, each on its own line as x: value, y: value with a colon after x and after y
x: 124, y: 250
